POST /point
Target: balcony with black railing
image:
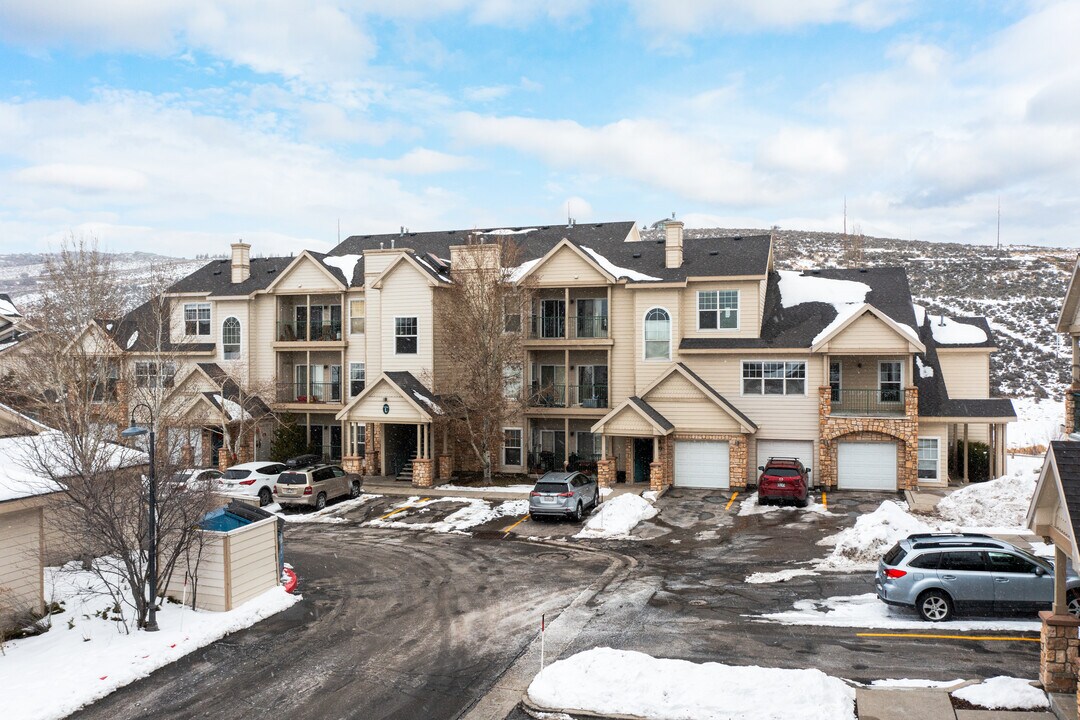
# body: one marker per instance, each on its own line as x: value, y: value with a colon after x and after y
x: 591, y: 395
x: 311, y: 331
x: 568, y: 327
x: 875, y: 402
x: 313, y: 392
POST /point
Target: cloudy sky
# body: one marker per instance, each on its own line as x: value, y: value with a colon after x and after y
x: 179, y: 125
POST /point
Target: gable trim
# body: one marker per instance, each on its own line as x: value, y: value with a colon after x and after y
x: 705, y: 389
x: 907, y: 334
x: 629, y: 403
x: 578, y: 251
x: 305, y: 255
x: 343, y: 414
x: 377, y: 283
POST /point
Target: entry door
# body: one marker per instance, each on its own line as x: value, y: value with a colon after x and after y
x: 317, y: 438
x: 866, y: 466
x: 552, y: 318
x: 592, y: 385
x: 335, y: 442
x: 301, y: 388
x: 553, y: 385
x: 643, y: 457
x: 591, y: 318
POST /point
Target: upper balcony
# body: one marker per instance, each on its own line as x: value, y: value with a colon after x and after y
x: 578, y: 317
x: 587, y: 396
x: 304, y: 320
x: 310, y: 393
x: 874, y: 386
x: 866, y: 402
x: 561, y: 327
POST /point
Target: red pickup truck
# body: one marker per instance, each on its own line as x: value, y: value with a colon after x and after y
x: 784, y: 479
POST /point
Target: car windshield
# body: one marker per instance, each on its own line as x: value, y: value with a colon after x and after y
x: 236, y: 474
x: 781, y: 472
x: 292, y: 478
x: 550, y: 487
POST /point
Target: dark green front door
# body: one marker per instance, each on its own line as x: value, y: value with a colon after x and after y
x: 643, y: 457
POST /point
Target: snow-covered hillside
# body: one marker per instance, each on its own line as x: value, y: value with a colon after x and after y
x: 1019, y: 289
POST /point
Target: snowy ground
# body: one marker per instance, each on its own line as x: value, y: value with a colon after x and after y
x: 1037, y: 422
x: 331, y: 515
x: 751, y: 506
x: 84, y: 657
x: 866, y: 611
x: 619, y: 682
x: 476, y: 512
x: 860, y: 546
x: 1004, y: 693
x: 617, y: 517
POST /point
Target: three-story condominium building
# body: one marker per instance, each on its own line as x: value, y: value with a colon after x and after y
x: 673, y: 361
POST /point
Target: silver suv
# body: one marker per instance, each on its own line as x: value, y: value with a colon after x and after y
x: 939, y: 573
x: 564, y: 494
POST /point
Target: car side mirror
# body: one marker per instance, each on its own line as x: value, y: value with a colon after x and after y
x: 1040, y: 571
x: 761, y: 468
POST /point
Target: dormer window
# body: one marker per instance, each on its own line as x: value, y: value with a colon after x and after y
x: 718, y: 309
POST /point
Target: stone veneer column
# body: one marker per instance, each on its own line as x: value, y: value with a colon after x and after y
x: 1058, y: 653
x: 352, y: 464
x: 421, y: 473
x: 605, y: 472
x: 446, y: 468
x: 656, y: 476
x: 1070, y: 408
x: 222, y: 459
x: 738, y: 456
x: 371, y: 448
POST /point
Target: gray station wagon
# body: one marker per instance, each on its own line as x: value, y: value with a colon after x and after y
x: 563, y: 494
x: 939, y: 574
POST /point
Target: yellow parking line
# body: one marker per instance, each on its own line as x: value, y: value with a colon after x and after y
x: 403, y: 508
x: 927, y: 636
x: 733, y: 496
x: 522, y: 519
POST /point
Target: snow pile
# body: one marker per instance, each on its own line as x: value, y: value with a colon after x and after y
x: 54, y: 674
x: 752, y: 506
x: 996, y: 503
x: 232, y: 408
x: 345, y: 263
x: 950, y: 332
x: 1004, y: 693
x: 611, y: 682
x: 762, y: 578
x: 866, y: 611
x: 331, y: 515
x: 912, y: 683
x: 796, y: 289
x: 860, y: 546
x: 476, y: 512
x: 617, y: 517
x: 508, y: 231
x: 615, y: 270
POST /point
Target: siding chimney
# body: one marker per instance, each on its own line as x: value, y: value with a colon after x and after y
x: 241, y: 261
x: 673, y: 238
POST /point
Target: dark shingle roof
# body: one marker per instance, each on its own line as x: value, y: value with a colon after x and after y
x: 146, y: 329
x: 719, y: 397
x: 798, y: 325
x: 1067, y: 460
x: 216, y: 277
x: 416, y: 390
x: 651, y: 412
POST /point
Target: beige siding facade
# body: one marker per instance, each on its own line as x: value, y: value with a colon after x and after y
x: 967, y: 374
x: 688, y: 409
x: 21, y: 562
x: 868, y: 334
x: 566, y: 268
x: 749, y: 309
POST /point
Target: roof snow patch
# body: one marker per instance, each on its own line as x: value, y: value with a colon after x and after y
x: 619, y: 272
x: 8, y: 308
x: 796, y: 289
x: 133, y: 339
x: 920, y: 314
x: 508, y: 231
x: 521, y: 270
x: 345, y: 263
x: 925, y: 371
x: 429, y: 402
x: 950, y: 332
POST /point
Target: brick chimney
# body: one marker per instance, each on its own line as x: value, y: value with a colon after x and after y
x: 241, y: 261
x: 673, y: 238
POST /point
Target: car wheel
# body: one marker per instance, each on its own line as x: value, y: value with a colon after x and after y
x: 265, y: 497
x: 579, y: 512
x: 354, y: 490
x: 935, y: 606
x: 802, y: 503
x: 320, y: 501
x: 1073, y: 603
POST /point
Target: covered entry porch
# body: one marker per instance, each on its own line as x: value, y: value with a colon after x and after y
x: 635, y: 445
x: 390, y: 431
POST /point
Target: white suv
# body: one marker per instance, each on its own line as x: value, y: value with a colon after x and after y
x: 253, y: 478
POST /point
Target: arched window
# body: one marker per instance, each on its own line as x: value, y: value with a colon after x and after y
x: 230, y: 338
x: 657, y: 335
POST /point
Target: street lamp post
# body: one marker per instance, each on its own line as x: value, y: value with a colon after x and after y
x: 134, y: 431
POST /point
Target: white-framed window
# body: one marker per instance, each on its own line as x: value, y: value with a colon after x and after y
x: 512, y: 446
x: 657, y: 334
x: 357, y: 310
x: 230, y: 338
x: 929, y: 456
x: 149, y: 374
x: 718, y: 309
x: 512, y: 314
x: 890, y: 380
x: 774, y: 377
x: 405, y: 336
x: 357, y: 378
x: 835, y: 376
x: 512, y: 378
x: 196, y: 319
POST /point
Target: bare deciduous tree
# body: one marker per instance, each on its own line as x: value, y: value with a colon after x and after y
x: 479, y: 318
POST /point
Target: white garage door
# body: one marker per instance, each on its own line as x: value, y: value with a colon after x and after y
x: 867, y: 466
x: 701, y: 464
x: 801, y: 449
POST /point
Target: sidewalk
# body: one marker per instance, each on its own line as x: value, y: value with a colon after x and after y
x: 929, y: 704
x: 376, y: 485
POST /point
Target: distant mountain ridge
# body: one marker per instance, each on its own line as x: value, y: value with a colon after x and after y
x: 1019, y: 288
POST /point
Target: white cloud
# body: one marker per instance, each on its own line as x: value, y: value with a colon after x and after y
x: 700, y: 16
x: 423, y: 161
x: 89, y: 178
x: 805, y: 151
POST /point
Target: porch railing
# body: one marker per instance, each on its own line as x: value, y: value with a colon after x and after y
x: 589, y: 396
x: 868, y: 402
x: 316, y: 392
x: 568, y: 327
x: 586, y: 396
x: 290, y: 331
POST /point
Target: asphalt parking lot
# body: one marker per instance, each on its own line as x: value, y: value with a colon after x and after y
x: 402, y: 622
